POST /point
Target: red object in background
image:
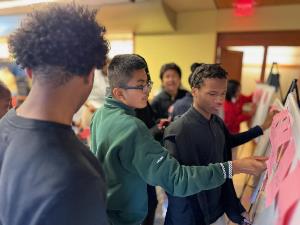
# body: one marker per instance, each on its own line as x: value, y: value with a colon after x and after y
x: 85, y: 134
x: 233, y: 113
x: 243, y: 7
x: 14, y: 101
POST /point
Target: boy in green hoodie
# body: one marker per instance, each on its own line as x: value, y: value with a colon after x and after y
x: 130, y: 156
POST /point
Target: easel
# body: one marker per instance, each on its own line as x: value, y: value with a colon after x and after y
x: 292, y: 89
x: 273, y: 78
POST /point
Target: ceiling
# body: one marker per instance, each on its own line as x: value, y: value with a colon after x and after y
x: 177, y: 6
x: 190, y: 5
x: 221, y: 4
x: 195, y: 5
x: 140, y: 16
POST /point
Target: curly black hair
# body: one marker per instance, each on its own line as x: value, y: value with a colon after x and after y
x: 205, y: 71
x: 62, y: 36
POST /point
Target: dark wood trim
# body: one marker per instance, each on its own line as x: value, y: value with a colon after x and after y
x: 263, y: 67
x: 267, y: 38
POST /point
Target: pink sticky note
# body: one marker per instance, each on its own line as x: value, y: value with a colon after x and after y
x: 274, y: 108
x: 286, y: 160
x: 280, y: 129
x: 277, y: 168
x: 281, y: 116
x: 272, y: 188
x: 269, y: 163
x: 281, y: 155
x: 285, y: 219
x: 289, y: 193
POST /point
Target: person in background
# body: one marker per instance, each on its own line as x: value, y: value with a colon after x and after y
x: 96, y: 97
x: 182, y: 105
x: 131, y: 157
x: 21, y: 81
x: 47, y: 175
x: 233, y: 107
x: 82, y: 118
x: 170, y: 75
x: 199, y: 138
x: 5, y: 99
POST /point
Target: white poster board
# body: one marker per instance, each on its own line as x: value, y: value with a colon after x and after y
x: 266, y: 96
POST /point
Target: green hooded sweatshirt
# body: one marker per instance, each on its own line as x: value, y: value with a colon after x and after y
x: 131, y: 158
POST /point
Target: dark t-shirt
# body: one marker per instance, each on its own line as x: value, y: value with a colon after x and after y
x: 47, y: 176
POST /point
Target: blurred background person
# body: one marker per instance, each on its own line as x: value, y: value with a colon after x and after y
x: 5, y: 99
x: 82, y: 118
x: 170, y: 75
x: 97, y: 96
x: 183, y: 104
x: 234, y: 105
x: 22, y: 82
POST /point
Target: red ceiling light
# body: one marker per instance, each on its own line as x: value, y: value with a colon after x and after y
x: 243, y: 7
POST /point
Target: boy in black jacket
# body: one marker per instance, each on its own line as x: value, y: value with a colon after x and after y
x: 199, y: 138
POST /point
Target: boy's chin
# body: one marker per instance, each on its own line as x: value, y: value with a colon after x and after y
x: 216, y: 111
x: 141, y: 106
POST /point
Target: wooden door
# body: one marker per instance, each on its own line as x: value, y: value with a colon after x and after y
x: 232, y: 62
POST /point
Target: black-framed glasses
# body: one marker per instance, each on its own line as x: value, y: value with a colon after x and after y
x: 145, y: 88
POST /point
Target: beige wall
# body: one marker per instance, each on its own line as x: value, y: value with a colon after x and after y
x: 183, y: 49
x: 195, y: 37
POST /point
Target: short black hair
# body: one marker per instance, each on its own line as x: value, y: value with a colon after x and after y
x: 121, y: 68
x: 4, y: 91
x: 232, y: 87
x: 146, y: 68
x: 205, y: 71
x: 169, y: 66
x: 65, y: 37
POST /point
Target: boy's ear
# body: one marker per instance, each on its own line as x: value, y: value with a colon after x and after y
x: 194, y: 91
x: 90, y: 77
x: 118, y: 93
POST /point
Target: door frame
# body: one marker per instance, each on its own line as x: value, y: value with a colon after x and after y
x: 263, y: 38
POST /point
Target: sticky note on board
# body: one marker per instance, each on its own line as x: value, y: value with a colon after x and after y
x: 278, y: 166
x: 289, y: 195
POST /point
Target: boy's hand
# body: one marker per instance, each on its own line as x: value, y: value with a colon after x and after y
x: 254, y: 165
x: 246, y: 216
x: 163, y: 123
x: 268, y: 121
